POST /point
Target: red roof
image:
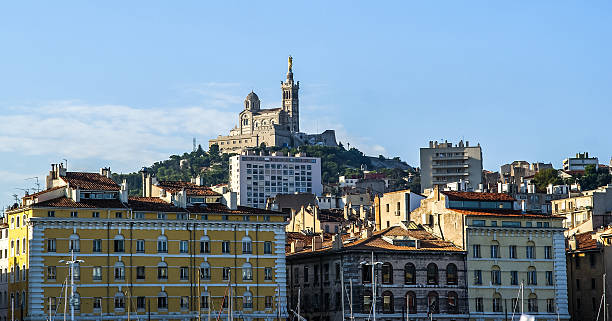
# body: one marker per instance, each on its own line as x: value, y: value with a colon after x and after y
x: 585, y: 241
x: 90, y: 181
x: 223, y: 209
x: 190, y: 188
x: 85, y: 203
x: 505, y: 213
x: 152, y: 204
x: 474, y: 196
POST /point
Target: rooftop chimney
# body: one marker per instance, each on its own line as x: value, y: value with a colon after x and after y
x: 317, y: 242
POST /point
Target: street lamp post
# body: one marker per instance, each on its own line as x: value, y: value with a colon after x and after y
x: 73, y: 300
x: 372, y: 263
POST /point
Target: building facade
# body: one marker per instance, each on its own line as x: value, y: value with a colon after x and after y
x: 585, y: 211
x: 271, y: 127
x: 393, y: 208
x: 417, y: 276
x: 579, y: 163
x: 506, y: 250
x: 443, y: 163
x: 143, y: 257
x: 255, y: 178
x: 4, y: 275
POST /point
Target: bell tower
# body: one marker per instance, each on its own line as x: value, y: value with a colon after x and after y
x: 291, y: 104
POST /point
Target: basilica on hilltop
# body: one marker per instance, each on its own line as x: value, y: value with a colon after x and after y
x: 278, y: 127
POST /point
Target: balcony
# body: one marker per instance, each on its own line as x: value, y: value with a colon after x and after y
x: 449, y: 166
x: 450, y: 158
x: 450, y: 174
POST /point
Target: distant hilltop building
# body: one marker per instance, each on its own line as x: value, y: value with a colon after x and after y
x: 273, y: 127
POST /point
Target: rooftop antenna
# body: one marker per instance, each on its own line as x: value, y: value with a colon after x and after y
x: 194, y: 144
x: 37, y: 183
x: 16, y: 197
x: 65, y: 160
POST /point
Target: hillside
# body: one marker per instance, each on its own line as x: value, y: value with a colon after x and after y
x: 213, y: 166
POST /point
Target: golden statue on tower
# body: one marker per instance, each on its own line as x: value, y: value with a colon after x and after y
x: 290, y: 63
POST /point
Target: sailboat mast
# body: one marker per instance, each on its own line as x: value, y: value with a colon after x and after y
x: 522, y: 297
x: 342, y: 286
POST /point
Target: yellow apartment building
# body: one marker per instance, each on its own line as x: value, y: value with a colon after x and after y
x: 176, y: 257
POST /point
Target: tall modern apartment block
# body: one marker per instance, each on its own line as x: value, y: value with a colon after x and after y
x: 255, y: 178
x: 443, y: 163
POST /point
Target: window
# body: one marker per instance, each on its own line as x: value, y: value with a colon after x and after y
x: 411, y: 301
x: 550, y: 305
x: 141, y: 303
x: 184, y: 247
x: 512, y: 251
x: 50, y: 213
x: 387, y: 302
x: 497, y: 307
x: 452, y: 302
x: 549, y: 279
x: 118, y: 215
x: 184, y: 302
x: 97, y: 303
x: 184, y: 273
x: 246, y: 245
x: 74, y: 214
x: 204, y: 244
x: 306, y: 274
x: 548, y: 252
x: 513, y: 278
x: 267, y: 247
x: 367, y: 302
x: 119, y: 271
x: 226, y: 273
x: 476, y: 251
x: 532, y: 276
x: 119, y: 301
x: 433, y: 302
x: 162, y: 244
x: 266, y: 218
x: 140, y: 273
x: 268, y: 304
x: 51, y: 272
x: 247, y: 271
x: 387, y: 273
x: 478, y: 304
x: 592, y: 257
x: 268, y: 273
x: 205, y: 271
x: 478, y: 277
x: 409, y: 274
x: 161, y: 216
x: 495, y: 250
x: 162, y: 271
x: 225, y: 218
x: 532, y: 303
x: 247, y: 300
x: 495, y: 275
x: 97, y: 273
x: 118, y: 242
x: 140, y: 246
x: 95, y: 214
x: 432, y: 273
x: 225, y: 247
x: 97, y: 246
x: 74, y: 244
x: 530, y: 250
x: 162, y: 301
x: 51, y: 245
x: 451, y: 274
x: 204, y: 301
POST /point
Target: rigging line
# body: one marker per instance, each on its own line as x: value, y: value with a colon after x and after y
x: 599, y: 310
x: 515, y: 305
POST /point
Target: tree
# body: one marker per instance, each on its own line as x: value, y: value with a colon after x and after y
x: 594, y: 177
x: 545, y: 177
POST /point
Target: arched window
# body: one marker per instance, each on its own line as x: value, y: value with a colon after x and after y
x: 387, y: 273
x: 409, y: 274
x: 119, y: 271
x: 119, y: 301
x: 411, y: 302
x: 119, y: 243
x: 367, y: 302
x: 495, y: 275
x: 432, y: 273
x: 496, y: 303
x: 433, y: 302
x: 532, y: 276
x: 451, y: 274
x: 530, y: 250
x: 162, y: 244
x: 162, y: 300
x: 532, y: 303
x: 246, y: 245
x: 387, y: 302
x: 162, y: 271
x: 247, y: 271
x: 204, y: 244
x: 452, y: 302
x: 247, y: 300
x: 205, y: 271
x: 75, y: 244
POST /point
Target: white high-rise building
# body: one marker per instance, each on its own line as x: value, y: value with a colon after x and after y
x: 444, y: 163
x: 256, y: 178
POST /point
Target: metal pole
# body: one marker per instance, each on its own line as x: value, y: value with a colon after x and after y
x: 49, y: 308
x: 604, y: 296
x: 13, y: 308
x: 65, y: 299
x: 72, y: 287
x: 351, y: 305
x: 199, y: 297
x: 342, y: 285
x: 373, y: 289
x: 522, y: 297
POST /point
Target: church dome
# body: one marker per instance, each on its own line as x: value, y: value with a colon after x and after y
x: 251, y: 102
x: 252, y: 96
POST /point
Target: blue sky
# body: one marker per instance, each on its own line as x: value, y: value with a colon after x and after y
x: 123, y: 84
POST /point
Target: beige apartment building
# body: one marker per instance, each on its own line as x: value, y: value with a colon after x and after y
x: 443, y: 163
x: 585, y: 211
x: 393, y: 208
x: 505, y: 249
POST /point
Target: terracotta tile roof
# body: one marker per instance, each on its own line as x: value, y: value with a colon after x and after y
x: 473, y: 196
x: 88, y: 203
x: 331, y: 215
x: 223, y: 209
x: 505, y: 213
x: 90, y: 181
x: 585, y: 241
x: 31, y: 196
x: 190, y: 188
x: 152, y: 204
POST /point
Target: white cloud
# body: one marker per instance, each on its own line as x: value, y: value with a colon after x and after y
x: 217, y: 94
x: 107, y: 132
